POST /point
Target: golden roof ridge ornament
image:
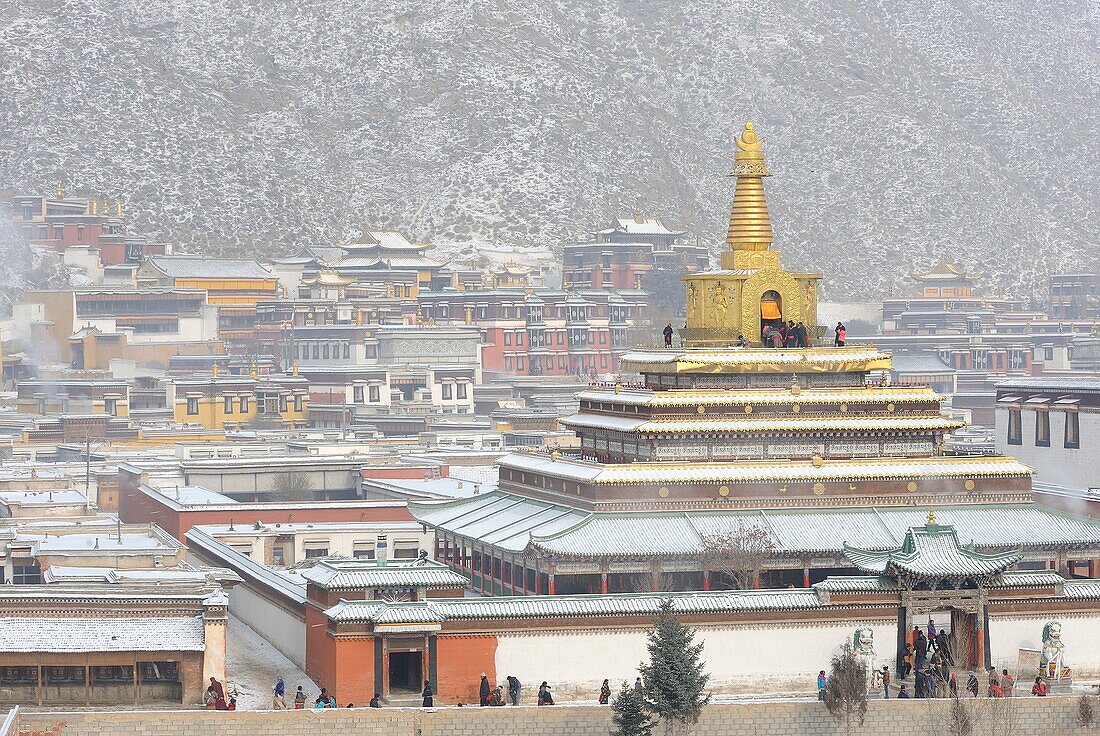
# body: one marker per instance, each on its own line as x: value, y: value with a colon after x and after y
x: 750, y: 225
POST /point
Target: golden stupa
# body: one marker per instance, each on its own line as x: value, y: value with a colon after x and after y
x: 751, y: 288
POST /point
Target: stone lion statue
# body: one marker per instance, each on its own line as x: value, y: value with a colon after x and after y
x: 863, y: 645
x: 1052, y: 664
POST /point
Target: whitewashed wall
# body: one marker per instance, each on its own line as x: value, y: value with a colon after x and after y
x: 1080, y: 634
x: 777, y: 657
x: 285, y: 631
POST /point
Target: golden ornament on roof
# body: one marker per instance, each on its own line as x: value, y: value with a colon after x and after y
x: 748, y: 140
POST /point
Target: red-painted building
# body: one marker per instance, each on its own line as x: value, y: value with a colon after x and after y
x: 60, y: 223
x: 627, y: 254
x: 176, y: 510
x: 543, y: 332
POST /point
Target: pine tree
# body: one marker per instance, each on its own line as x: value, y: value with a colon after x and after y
x: 846, y: 688
x: 630, y: 715
x: 674, y: 680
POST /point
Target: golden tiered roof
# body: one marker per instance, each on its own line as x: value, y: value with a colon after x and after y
x: 750, y: 225
x: 757, y: 360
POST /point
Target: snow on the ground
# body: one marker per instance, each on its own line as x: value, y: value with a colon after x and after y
x: 254, y: 666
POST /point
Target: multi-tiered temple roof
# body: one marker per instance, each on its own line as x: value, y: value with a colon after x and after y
x: 711, y: 436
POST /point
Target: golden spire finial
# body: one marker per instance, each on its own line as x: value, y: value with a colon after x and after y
x: 750, y: 225
x: 931, y: 517
x: 748, y: 142
x: 57, y: 190
x: 214, y: 370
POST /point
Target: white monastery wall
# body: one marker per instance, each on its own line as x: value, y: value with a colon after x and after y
x: 282, y: 629
x: 777, y: 657
x: 1073, y: 467
x: 1080, y: 634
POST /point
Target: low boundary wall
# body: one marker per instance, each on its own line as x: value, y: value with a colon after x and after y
x: 1024, y: 716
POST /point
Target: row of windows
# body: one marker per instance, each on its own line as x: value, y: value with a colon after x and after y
x: 1071, y: 435
x: 519, y: 362
x: 322, y: 350
x: 540, y: 338
x: 402, y: 550
x: 357, y: 394
x: 459, y: 391
x: 242, y: 404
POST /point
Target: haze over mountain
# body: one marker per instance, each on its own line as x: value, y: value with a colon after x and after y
x: 897, y: 132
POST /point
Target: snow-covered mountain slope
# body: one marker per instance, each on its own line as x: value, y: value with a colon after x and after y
x: 896, y: 131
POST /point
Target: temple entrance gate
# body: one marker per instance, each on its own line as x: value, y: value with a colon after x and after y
x: 934, y: 573
x: 961, y: 613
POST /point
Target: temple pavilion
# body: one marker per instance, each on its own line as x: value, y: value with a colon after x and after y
x: 810, y: 444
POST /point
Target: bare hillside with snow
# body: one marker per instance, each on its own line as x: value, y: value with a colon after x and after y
x: 895, y: 131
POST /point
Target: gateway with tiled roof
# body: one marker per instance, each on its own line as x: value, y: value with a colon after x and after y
x: 933, y: 552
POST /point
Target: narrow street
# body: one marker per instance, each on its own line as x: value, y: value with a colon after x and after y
x: 254, y: 666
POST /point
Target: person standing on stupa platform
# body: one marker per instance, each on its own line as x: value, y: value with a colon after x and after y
x: 668, y: 332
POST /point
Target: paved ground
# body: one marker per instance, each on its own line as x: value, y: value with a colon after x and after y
x: 254, y: 666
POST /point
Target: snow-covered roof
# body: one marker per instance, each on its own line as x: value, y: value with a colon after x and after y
x: 437, y: 610
x: 639, y: 225
x: 200, y: 267
x: 42, y: 498
x: 514, y: 523
x: 106, y: 543
x: 754, y: 424
x: 765, y: 470
x: 193, y: 496
x: 797, y: 360
x: 932, y: 551
x: 85, y: 634
x: 663, y: 399
x: 373, y: 574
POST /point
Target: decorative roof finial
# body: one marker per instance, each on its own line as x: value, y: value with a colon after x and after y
x: 749, y: 142
x: 931, y: 517
x: 750, y: 225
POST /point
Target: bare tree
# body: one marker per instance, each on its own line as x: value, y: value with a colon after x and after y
x: 846, y: 688
x: 292, y: 486
x: 1085, y: 715
x: 653, y: 581
x: 959, y: 722
x: 740, y: 554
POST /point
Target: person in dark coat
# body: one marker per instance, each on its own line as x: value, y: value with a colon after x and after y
x: 429, y: 695
x: 972, y: 685
x: 484, y: 690
x: 790, y: 337
x: 668, y: 332
x: 921, y: 649
x: 638, y: 685
x: 605, y: 693
x: 376, y: 701
x: 803, y: 335
x: 944, y: 647
x: 903, y: 694
x: 513, y: 689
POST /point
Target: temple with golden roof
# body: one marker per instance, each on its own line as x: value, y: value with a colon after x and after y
x: 810, y: 444
x: 751, y: 289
